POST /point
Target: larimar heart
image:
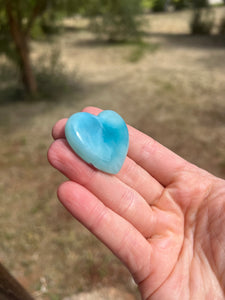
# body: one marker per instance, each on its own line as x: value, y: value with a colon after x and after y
x: 99, y: 140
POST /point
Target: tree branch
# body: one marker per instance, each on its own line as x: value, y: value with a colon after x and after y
x: 38, y: 10
x: 13, y: 22
x: 10, y: 288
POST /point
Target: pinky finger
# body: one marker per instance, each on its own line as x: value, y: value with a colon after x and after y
x: 114, y: 231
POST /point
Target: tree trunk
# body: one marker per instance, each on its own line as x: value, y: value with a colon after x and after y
x: 10, y: 289
x: 20, y: 39
x: 27, y: 74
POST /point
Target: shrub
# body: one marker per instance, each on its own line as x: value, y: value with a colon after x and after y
x: 180, y: 4
x: 52, y: 78
x: 146, y: 5
x: 115, y: 20
x: 162, y: 5
x: 158, y: 5
x: 202, y: 22
x: 199, y: 3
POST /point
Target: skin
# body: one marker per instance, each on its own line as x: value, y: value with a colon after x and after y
x: 163, y: 217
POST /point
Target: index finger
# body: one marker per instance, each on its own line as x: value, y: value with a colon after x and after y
x: 157, y: 160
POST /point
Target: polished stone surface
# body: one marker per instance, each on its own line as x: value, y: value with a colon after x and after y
x: 99, y: 140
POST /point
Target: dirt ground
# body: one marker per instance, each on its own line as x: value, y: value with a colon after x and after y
x: 173, y: 90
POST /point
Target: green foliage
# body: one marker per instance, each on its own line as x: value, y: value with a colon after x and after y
x: 162, y: 5
x: 19, y: 20
x: 115, y: 20
x: 53, y: 79
x: 6, y: 46
x: 158, y: 5
x: 196, y: 4
x: 146, y: 4
x: 56, y: 10
x: 23, y: 12
x: 140, y: 49
x: 180, y: 4
x: 10, y: 87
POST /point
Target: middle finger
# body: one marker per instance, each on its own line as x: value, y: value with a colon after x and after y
x: 131, y: 173
x: 114, y: 193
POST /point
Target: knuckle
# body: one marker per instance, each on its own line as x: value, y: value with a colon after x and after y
x: 54, y: 152
x: 127, y: 202
x: 148, y: 149
x: 191, y: 189
x: 100, y: 217
x: 130, y: 171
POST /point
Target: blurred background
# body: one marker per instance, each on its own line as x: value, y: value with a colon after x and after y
x: 160, y: 64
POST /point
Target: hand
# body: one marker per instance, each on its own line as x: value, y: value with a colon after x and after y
x: 162, y: 216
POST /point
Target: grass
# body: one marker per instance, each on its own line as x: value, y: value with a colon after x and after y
x: 174, y: 94
x: 139, y: 49
x: 52, y: 79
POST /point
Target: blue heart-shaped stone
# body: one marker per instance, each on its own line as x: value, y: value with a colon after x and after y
x: 99, y: 140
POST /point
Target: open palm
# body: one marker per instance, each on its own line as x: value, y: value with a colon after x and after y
x: 162, y: 216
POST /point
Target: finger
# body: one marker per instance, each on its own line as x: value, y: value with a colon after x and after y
x: 141, y: 181
x: 115, y: 232
x: 157, y: 160
x: 111, y: 190
x: 131, y: 173
x: 58, y: 130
